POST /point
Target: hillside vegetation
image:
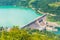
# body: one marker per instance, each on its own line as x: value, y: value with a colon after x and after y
x: 26, y: 34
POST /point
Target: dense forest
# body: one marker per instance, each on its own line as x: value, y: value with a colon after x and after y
x: 47, y: 6
x: 26, y: 34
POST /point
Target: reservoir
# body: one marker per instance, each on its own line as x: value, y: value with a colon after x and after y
x: 16, y: 16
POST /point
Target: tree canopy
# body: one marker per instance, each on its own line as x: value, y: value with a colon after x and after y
x: 25, y: 34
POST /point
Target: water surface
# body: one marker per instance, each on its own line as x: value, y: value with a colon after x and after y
x: 19, y: 16
x: 57, y: 32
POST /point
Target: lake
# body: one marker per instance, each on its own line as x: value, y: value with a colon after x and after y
x: 18, y: 16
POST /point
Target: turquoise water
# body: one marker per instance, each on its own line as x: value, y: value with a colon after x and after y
x: 18, y: 16
x: 57, y: 32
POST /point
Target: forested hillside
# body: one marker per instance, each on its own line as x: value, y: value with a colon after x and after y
x: 25, y: 34
x: 46, y: 6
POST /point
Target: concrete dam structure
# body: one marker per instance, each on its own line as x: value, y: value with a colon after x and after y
x: 39, y: 23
